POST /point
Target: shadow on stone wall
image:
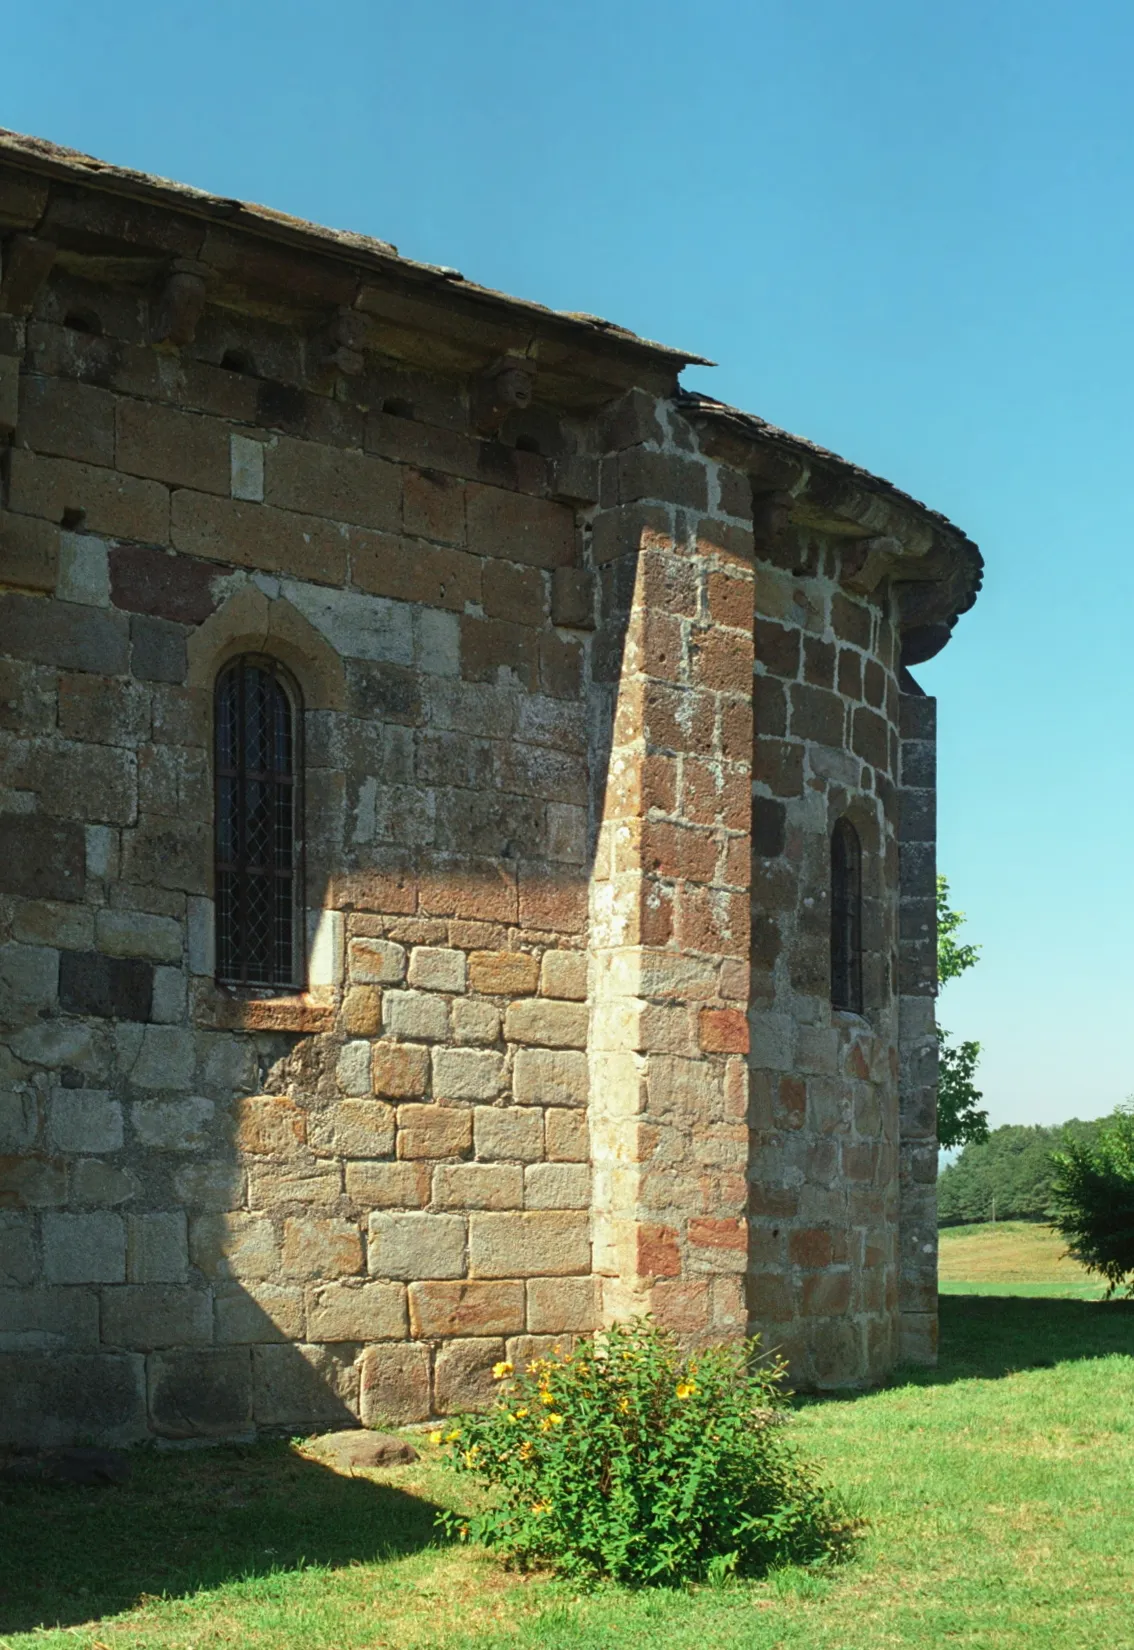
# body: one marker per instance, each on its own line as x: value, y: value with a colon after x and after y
x: 188, y: 1522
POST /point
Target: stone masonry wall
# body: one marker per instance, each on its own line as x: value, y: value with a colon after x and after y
x: 823, y: 1264
x: 222, y: 1212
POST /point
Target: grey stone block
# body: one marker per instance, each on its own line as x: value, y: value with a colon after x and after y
x: 62, y: 1398
x: 88, y: 1248
x: 41, y: 858
x: 205, y: 1393
x: 112, y: 988
x: 146, y: 1317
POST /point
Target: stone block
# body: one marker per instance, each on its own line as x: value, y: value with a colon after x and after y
x: 269, y: 1125
x: 19, y: 1119
x: 503, y: 973
x: 320, y: 1247
x: 234, y: 1245
x: 94, y: 1181
x: 157, y: 1247
x: 246, y: 468
x: 84, y: 1120
x: 440, y: 1310
x: 106, y: 502
x: 166, y: 444
x: 336, y: 484
x: 19, y: 1260
x: 558, y: 1306
x: 376, y: 962
x: 307, y: 1180
x: 57, y: 1399
x: 64, y: 634
x: 352, y: 1069
x: 158, y: 649
x: 416, y: 1015
x: 116, y: 988
x: 48, y: 1320
x: 174, y: 1125
x: 41, y: 858
x: 564, y: 974
x: 389, y: 1185
x: 353, y: 1128
x: 253, y: 1314
x: 215, y: 1186
x: 256, y: 536
x: 557, y: 1186
x: 502, y: 1133
x: 434, y: 1131
x: 551, y: 1024
x: 204, y: 1393
x: 395, y: 1385
x: 139, y: 934
x: 29, y: 979
x: 467, y: 1074
x: 434, y: 968
x: 356, y: 1312
x: 84, y: 571
x: 568, y: 1138
x: 474, y: 1021
x: 87, y: 1248
x: 478, y: 1186
x: 534, y: 532
x: 362, y: 1011
x: 550, y: 1077
x: 462, y: 1375
x: 409, y: 1245
x: 147, y: 1316
x: 29, y: 553
x: 531, y: 1244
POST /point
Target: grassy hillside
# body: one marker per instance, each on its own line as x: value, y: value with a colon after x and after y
x: 993, y: 1493
x: 1012, y: 1257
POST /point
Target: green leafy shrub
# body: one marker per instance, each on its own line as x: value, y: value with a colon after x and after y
x: 1093, y: 1197
x: 631, y: 1460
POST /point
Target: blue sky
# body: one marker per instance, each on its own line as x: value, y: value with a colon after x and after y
x: 904, y: 230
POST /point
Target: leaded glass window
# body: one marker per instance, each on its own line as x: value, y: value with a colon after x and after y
x: 258, y: 846
x: 846, y: 917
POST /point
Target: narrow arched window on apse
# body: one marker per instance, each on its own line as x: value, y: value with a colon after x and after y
x: 846, y: 917
x: 259, y: 893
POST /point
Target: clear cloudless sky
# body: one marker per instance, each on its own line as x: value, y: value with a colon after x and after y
x: 904, y: 230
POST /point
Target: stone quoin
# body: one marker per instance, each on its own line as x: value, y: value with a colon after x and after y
x: 466, y: 837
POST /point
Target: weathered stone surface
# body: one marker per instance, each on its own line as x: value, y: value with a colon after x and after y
x: 409, y: 1245
x: 200, y: 1394
x: 462, y: 1374
x: 396, y: 1385
x: 439, y: 1310
x: 361, y: 1449
x: 528, y: 1245
x: 550, y: 1077
x: 356, y: 1312
x: 109, y: 987
x: 58, y: 1398
x: 297, y: 1386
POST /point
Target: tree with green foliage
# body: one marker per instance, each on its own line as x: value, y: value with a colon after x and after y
x: 1093, y: 1195
x: 960, y: 1118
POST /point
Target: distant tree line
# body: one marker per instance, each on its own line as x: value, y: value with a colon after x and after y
x: 1011, y: 1174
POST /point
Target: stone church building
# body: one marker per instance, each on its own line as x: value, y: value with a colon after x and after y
x: 466, y: 837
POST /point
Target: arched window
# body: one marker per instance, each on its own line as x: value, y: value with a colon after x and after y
x: 846, y: 917
x: 259, y: 891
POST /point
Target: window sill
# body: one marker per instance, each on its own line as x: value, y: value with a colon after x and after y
x: 233, y: 1008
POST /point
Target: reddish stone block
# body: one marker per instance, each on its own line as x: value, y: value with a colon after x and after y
x: 723, y: 1031
x: 706, y: 1233
x: 658, y: 1254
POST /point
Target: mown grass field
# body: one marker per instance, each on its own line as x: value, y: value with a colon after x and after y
x: 996, y: 1494
x: 1011, y: 1257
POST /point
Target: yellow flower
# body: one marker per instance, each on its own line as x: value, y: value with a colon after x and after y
x: 685, y: 1389
x: 624, y: 1405
x: 526, y: 1450
x: 522, y: 1414
x: 550, y: 1421
x: 502, y: 1370
x: 546, y: 1396
x: 471, y: 1455
x: 541, y: 1506
x: 451, y: 1437
x: 434, y: 1437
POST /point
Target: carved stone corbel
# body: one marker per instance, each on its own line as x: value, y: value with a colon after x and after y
x: 341, y: 343
x: 181, y: 304
x: 27, y: 264
x: 866, y: 562
x: 508, y: 385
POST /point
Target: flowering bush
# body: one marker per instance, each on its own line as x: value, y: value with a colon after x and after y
x: 628, y: 1459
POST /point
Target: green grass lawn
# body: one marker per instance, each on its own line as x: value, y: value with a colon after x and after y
x: 996, y: 1493
x: 1012, y: 1257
